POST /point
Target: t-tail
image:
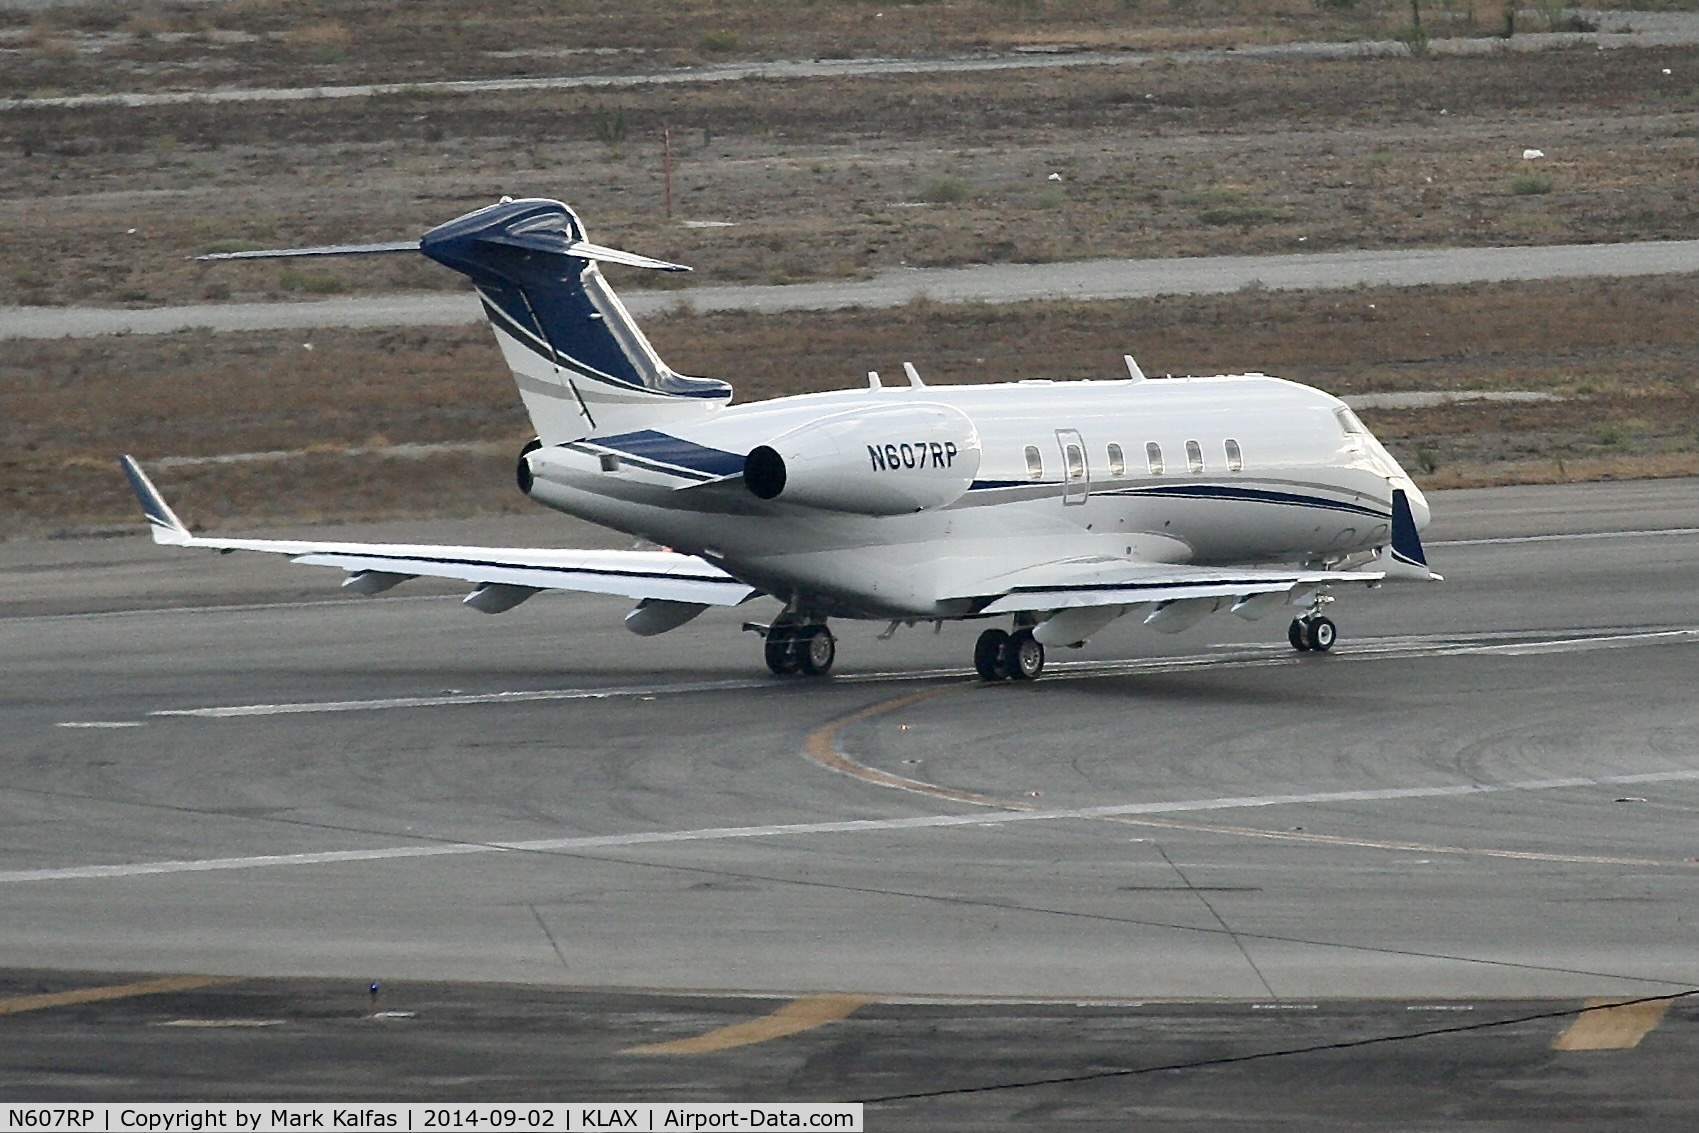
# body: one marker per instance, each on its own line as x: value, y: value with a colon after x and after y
x: 582, y: 364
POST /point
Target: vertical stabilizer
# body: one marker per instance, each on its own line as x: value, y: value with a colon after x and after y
x: 583, y: 366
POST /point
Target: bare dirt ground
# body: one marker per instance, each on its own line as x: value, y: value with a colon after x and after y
x: 820, y: 178
x: 1618, y: 354
x: 154, y: 45
x: 842, y: 177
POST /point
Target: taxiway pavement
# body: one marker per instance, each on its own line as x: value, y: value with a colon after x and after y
x: 984, y: 283
x: 1485, y: 797
x: 1464, y: 799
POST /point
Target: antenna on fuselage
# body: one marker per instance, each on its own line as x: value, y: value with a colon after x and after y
x: 873, y: 380
x: 1133, y: 370
x: 913, y: 376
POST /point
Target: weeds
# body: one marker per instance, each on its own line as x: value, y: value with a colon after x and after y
x: 311, y: 282
x: 1241, y: 215
x: 225, y: 247
x: 608, y: 125
x: 945, y: 190
x: 1531, y: 184
x: 318, y: 34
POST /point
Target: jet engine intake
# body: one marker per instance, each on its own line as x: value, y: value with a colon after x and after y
x: 891, y: 460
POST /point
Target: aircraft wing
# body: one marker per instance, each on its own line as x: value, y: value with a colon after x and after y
x: 1068, y: 583
x: 504, y: 576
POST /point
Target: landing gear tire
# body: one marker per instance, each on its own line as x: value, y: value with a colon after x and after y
x: 1312, y: 634
x: 782, y: 652
x: 988, y: 654
x: 1320, y: 634
x: 1023, y: 656
x: 815, y: 649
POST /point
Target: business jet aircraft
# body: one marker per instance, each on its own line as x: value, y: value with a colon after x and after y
x: 1058, y: 506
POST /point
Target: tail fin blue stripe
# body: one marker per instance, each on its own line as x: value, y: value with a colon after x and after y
x: 521, y: 256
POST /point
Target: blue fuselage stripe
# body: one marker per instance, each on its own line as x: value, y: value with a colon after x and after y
x: 664, y: 448
x: 1248, y: 495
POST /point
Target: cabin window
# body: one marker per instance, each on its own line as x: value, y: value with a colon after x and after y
x: 1349, y: 422
x: 1117, y: 462
x: 1076, y: 463
x: 1153, y: 457
x: 1034, y: 463
x: 610, y: 462
x: 1235, y: 458
x: 1194, y: 457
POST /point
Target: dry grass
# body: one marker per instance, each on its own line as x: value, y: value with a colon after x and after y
x: 449, y: 39
x: 821, y: 178
x: 318, y: 33
x: 1625, y: 467
x: 1619, y: 351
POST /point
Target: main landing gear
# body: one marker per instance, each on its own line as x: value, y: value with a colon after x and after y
x: 796, y: 645
x: 1002, y: 656
x: 1312, y: 633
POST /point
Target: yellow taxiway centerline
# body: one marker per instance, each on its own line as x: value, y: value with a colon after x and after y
x: 821, y: 746
x: 1610, y: 1024
x: 798, y: 1015
x: 112, y: 991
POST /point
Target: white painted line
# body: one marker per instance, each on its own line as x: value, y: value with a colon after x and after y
x: 1651, y: 533
x: 99, y: 724
x: 583, y: 843
x: 1251, y: 656
x: 457, y: 699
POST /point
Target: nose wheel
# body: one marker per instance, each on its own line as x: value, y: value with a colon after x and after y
x: 1312, y: 633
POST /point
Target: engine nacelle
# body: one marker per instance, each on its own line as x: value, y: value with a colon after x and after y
x: 886, y: 460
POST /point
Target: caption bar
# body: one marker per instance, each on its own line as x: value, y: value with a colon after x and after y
x: 247, y: 1117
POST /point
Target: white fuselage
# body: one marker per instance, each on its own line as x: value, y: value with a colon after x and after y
x: 1234, y: 469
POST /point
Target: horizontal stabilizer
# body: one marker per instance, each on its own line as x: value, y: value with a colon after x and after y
x: 318, y: 250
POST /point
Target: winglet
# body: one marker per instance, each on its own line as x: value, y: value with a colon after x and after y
x: 167, y: 528
x: 1404, y: 558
